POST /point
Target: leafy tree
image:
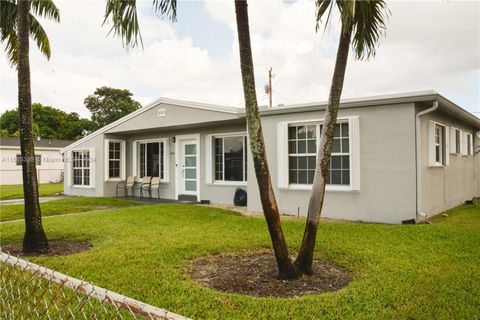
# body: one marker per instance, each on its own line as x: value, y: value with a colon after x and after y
x: 48, y: 122
x: 109, y: 104
x: 363, y: 22
x: 17, y: 16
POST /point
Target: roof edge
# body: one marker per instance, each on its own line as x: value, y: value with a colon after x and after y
x: 155, y: 103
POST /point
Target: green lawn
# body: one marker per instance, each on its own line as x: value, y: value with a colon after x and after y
x: 400, y: 272
x: 16, y: 191
x: 63, y: 206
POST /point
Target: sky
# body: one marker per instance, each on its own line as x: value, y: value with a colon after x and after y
x: 431, y: 45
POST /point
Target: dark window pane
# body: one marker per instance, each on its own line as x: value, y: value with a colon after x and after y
x: 311, y: 146
x: 292, y: 146
x: 345, y: 177
x: 302, y: 132
x: 337, y: 130
x: 233, y: 154
x: 302, y: 146
x: 219, y: 159
x: 336, y: 162
x: 345, y: 132
x: 336, y: 145
x: 345, y: 146
x: 345, y: 162
x: 302, y: 163
x: 302, y: 177
x: 312, y: 162
x: 336, y: 176
x: 38, y: 160
x: 245, y: 148
x: 292, y: 163
x: 293, y: 176
x: 292, y: 132
x: 311, y: 132
x: 19, y: 160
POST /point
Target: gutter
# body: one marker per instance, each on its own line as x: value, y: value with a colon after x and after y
x: 419, y: 213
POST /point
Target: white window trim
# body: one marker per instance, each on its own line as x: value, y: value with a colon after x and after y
x: 122, y: 160
x: 166, y: 158
x: 209, y: 163
x: 354, y: 147
x: 453, y: 141
x: 432, y: 161
x: 92, y: 168
x: 467, y: 137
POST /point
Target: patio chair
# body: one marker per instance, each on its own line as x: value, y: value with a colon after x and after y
x: 144, y: 185
x: 155, y: 184
x: 125, y: 185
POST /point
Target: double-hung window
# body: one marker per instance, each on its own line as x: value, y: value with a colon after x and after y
x: 81, y: 167
x: 458, y: 141
x: 114, y: 159
x: 303, y: 140
x: 230, y: 158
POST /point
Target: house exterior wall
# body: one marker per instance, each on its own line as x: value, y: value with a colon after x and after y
x: 387, y: 167
x: 50, y: 169
x: 447, y: 186
x: 94, y: 145
x: 215, y: 192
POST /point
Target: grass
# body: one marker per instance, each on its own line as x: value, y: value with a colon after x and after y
x: 400, y: 272
x: 15, y: 191
x: 63, y: 206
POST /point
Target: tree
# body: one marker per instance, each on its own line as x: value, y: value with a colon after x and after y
x: 109, y: 104
x: 18, y: 15
x: 286, y: 268
x: 48, y: 122
x: 365, y: 21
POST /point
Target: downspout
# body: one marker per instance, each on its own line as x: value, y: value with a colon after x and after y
x: 418, y: 158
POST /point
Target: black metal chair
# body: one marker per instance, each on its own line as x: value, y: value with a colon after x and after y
x: 125, y: 185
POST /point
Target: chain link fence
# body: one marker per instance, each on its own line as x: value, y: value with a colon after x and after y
x: 30, y: 291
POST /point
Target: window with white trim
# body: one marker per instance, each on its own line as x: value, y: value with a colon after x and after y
x: 468, y: 144
x: 439, y: 144
x: 114, y: 159
x: 151, y: 155
x: 81, y: 167
x: 303, y: 140
x: 230, y: 158
x: 458, y: 141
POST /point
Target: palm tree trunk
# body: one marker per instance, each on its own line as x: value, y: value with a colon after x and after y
x: 35, y: 239
x: 305, y: 256
x: 286, y: 268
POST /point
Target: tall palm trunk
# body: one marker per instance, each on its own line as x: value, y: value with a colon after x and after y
x: 286, y: 268
x: 305, y: 256
x: 35, y: 239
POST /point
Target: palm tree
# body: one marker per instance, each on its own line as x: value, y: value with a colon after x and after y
x: 13, y: 16
x: 123, y: 15
x: 286, y: 268
x: 364, y: 21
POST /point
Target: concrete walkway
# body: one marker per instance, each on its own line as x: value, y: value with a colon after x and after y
x: 20, y: 201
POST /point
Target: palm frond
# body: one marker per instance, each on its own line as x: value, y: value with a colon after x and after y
x: 366, y: 18
x: 124, y: 18
x: 45, y: 9
x: 40, y: 36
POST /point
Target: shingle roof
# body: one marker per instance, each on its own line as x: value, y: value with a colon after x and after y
x: 42, y: 143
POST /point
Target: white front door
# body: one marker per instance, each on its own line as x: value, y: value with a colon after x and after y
x: 188, y: 166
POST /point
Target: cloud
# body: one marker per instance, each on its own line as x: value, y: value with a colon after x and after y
x: 431, y: 45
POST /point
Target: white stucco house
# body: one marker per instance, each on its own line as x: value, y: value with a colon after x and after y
x: 49, y: 160
x: 396, y: 158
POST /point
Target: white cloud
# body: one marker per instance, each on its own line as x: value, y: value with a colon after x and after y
x: 432, y: 45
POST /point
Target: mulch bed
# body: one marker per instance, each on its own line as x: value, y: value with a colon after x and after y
x: 57, y: 248
x: 254, y: 273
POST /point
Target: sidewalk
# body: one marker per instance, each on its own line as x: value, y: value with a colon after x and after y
x: 20, y: 201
